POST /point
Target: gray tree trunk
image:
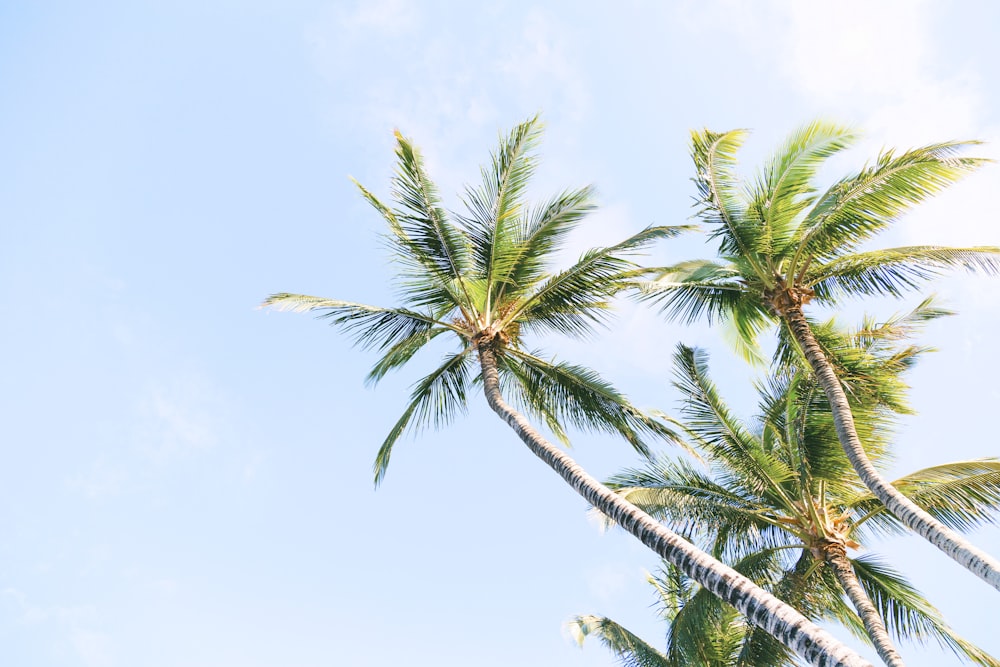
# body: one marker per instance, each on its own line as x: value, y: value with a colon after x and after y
x: 836, y: 556
x: 783, y: 622
x: 951, y: 543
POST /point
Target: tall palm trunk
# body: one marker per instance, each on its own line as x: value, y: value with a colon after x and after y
x: 760, y: 607
x: 954, y: 545
x: 835, y: 554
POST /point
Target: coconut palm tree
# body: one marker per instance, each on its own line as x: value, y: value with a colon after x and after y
x: 785, y: 485
x: 483, y: 278
x: 702, y: 631
x: 783, y: 245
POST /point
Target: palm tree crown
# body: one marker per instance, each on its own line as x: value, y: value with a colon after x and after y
x: 782, y: 485
x: 485, y: 276
x: 783, y: 244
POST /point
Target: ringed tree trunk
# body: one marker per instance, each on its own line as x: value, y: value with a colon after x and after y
x: 767, y: 612
x: 951, y: 543
x: 835, y: 554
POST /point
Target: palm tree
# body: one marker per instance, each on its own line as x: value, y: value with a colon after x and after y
x: 484, y: 279
x: 782, y: 246
x: 702, y: 631
x: 786, y: 486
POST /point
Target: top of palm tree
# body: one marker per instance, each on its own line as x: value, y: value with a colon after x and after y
x: 784, y: 241
x: 781, y: 489
x: 485, y: 276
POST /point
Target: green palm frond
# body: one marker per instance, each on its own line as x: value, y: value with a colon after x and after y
x: 720, y: 202
x: 435, y: 401
x: 573, y: 300
x: 371, y: 327
x: 784, y: 189
x: 579, y: 396
x: 543, y: 232
x: 895, y: 271
x: 962, y: 495
x: 718, y: 432
x: 692, y: 502
x: 691, y: 290
x: 908, y: 614
x: 857, y: 207
x: 495, y: 206
x: 422, y: 218
x: 631, y: 650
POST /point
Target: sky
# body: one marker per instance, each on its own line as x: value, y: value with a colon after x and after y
x: 186, y: 479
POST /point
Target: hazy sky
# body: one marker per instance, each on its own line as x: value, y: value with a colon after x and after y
x: 186, y: 479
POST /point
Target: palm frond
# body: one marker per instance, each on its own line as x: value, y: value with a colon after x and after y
x: 907, y: 614
x: 574, y: 300
x: 784, y: 188
x: 694, y: 503
x: 895, y: 271
x: 962, y: 495
x: 435, y: 401
x: 542, y: 232
x: 691, y: 290
x: 626, y: 646
x: 371, y: 327
x: 579, y: 396
x: 720, y: 203
x: 857, y: 207
x: 723, y: 436
x: 423, y: 221
x: 495, y: 206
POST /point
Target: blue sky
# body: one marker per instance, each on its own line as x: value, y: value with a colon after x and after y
x: 186, y: 479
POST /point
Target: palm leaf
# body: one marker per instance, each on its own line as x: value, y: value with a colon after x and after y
x: 631, y: 650
x: 435, y: 401
x: 895, y: 271
x: 962, y: 495
x: 907, y: 614
x: 860, y: 206
x: 575, y: 299
x: 371, y: 327
x: 579, y: 396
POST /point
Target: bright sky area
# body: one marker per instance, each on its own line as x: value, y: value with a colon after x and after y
x: 186, y: 479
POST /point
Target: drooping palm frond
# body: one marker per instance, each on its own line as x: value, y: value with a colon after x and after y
x: 909, y: 615
x: 580, y: 397
x: 630, y: 649
x: 962, y: 495
x: 435, y: 401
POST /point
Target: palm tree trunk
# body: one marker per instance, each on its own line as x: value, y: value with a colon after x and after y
x: 836, y: 555
x: 761, y: 608
x: 951, y: 543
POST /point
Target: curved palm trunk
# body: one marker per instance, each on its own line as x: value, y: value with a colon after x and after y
x: 954, y: 545
x: 760, y: 607
x: 836, y: 555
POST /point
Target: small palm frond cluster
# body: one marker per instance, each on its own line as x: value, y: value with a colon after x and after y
x: 782, y: 243
x: 485, y: 277
x: 779, y: 492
